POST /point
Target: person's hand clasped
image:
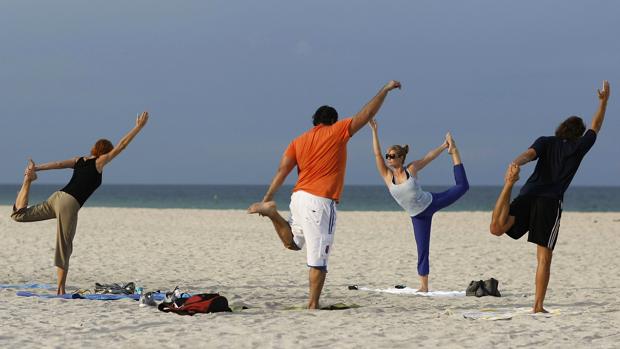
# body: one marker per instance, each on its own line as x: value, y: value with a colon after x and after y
x: 512, y: 173
x: 373, y: 124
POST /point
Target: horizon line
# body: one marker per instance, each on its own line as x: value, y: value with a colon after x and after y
x: 267, y: 184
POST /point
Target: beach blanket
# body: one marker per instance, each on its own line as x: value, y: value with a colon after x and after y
x: 29, y: 286
x: 99, y: 297
x: 506, y: 313
x: 414, y: 292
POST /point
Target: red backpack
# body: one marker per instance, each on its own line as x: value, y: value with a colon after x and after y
x: 200, y: 303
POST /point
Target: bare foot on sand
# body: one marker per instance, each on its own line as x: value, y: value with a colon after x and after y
x: 263, y: 208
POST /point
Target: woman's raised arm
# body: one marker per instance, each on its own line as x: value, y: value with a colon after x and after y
x: 376, y: 147
x: 418, y: 165
x: 124, y: 142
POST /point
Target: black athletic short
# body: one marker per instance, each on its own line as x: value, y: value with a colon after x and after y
x: 538, y: 215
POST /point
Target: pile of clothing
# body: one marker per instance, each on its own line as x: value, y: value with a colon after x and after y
x: 175, y: 301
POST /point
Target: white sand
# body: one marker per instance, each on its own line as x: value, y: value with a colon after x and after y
x: 240, y: 256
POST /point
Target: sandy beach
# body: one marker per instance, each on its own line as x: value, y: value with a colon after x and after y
x: 239, y: 256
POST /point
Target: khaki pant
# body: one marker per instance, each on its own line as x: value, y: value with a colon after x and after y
x: 64, y: 208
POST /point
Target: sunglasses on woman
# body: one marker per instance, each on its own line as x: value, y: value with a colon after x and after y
x: 391, y: 156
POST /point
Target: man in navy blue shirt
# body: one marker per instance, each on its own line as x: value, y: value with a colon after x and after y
x: 538, y: 208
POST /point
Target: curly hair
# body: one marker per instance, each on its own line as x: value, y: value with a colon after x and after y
x: 571, y: 129
x: 325, y: 115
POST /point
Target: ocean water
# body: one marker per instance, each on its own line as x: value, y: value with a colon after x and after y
x: 354, y: 198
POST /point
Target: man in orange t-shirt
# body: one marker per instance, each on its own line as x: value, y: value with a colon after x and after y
x: 320, y: 155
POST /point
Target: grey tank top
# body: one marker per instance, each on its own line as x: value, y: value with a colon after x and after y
x: 410, y: 196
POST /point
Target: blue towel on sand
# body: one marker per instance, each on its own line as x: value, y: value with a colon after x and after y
x: 99, y: 297
x: 29, y: 286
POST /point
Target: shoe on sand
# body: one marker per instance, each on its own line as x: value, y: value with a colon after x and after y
x: 491, y: 287
x: 128, y: 288
x: 147, y: 299
x: 472, y: 288
x: 481, y: 291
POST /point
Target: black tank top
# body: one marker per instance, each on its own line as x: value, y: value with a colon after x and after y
x: 85, y: 180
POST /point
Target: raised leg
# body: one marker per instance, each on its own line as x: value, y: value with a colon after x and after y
x: 448, y: 197
x: 35, y: 213
x: 461, y: 186
x: 501, y: 221
x: 543, y: 273
x: 316, y: 278
x: 283, y: 229
x: 30, y: 176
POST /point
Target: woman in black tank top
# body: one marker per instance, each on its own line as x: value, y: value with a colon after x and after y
x: 65, y: 203
x: 85, y: 180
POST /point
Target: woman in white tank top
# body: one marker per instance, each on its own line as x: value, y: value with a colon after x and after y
x: 402, y: 182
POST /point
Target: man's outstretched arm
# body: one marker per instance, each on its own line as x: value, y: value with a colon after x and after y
x: 525, y: 157
x: 286, y: 166
x: 372, y: 107
x: 268, y: 208
x: 603, y: 96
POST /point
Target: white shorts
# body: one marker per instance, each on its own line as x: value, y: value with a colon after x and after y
x: 313, y: 222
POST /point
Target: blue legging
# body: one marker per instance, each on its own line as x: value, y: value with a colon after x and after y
x: 422, y: 221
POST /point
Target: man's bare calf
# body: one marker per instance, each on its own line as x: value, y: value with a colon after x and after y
x: 269, y: 209
x: 501, y: 220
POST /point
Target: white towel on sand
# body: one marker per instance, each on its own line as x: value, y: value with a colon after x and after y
x: 414, y: 292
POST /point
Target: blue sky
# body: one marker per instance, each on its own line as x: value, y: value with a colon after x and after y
x: 229, y: 84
